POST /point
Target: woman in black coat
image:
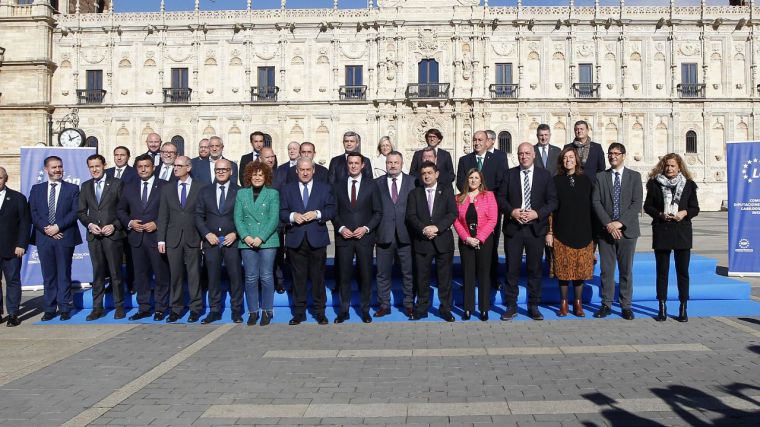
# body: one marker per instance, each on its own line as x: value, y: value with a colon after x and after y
x: 672, y: 203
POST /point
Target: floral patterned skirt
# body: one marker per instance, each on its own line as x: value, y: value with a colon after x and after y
x: 571, y: 263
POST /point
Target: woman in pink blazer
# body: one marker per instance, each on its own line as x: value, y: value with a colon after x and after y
x: 475, y: 224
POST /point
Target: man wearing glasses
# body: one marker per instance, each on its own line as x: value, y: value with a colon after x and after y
x: 165, y: 169
x: 433, y: 138
x: 179, y: 240
x: 617, y: 199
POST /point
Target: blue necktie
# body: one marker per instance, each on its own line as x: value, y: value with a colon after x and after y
x: 98, y: 191
x: 183, y: 195
x: 145, y: 194
x: 616, y: 197
x: 221, y: 198
x: 51, y: 204
x: 305, y: 196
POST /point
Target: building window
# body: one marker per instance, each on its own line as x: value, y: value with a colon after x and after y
x: 94, y: 79
x: 503, y: 87
x: 504, y: 74
x: 690, y: 87
x: 585, y: 87
x: 691, y: 142
x: 25, y: 2
x: 428, y: 72
x: 91, y: 141
x: 265, y: 89
x: 354, y: 88
x: 427, y: 85
x: 180, y: 90
x: 505, y: 141
x: 94, y: 93
x: 179, y: 142
x: 267, y: 140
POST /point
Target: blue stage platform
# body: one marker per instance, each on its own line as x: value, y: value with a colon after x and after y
x: 711, y: 295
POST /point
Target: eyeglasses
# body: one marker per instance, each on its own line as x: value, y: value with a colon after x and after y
x: 168, y: 152
x: 222, y: 170
x: 180, y: 166
x: 614, y: 154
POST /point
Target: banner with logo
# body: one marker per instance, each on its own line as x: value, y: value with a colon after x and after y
x: 743, y: 161
x: 74, y: 171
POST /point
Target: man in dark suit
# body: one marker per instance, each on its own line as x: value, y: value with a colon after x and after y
x: 321, y: 173
x: 443, y: 160
x: 98, y: 200
x: 54, y: 207
x: 257, y: 143
x: 203, y: 168
x: 546, y: 154
x: 617, y: 199
x: 393, y: 241
x: 165, y: 171
x: 430, y: 213
x: 491, y: 144
x: 280, y: 176
x: 15, y: 224
x: 306, y: 206
x: 153, y: 142
x: 527, y: 200
x: 203, y: 149
x: 179, y: 240
x: 591, y: 153
x: 357, y: 215
x: 138, y: 212
x: 338, y: 167
x: 214, y: 217
x: 121, y: 169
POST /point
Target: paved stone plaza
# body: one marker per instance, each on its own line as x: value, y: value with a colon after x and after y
x: 587, y: 373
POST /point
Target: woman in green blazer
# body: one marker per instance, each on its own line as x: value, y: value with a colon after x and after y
x: 257, y: 209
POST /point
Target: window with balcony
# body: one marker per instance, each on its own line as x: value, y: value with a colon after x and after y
x: 354, y: 87
x: 180, y: 90
x: 691, y: 142
x: 428, y: 85
x: 690, y: 86
x: 505, y: 141
x: 94, y: 93
x: 265, y: 89
x: 585, y: 87
x: 503, y: 88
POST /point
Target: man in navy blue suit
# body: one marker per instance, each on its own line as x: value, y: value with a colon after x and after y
x: 138, y: 212
x: 591, y: 153
x: 305, y: 208
x: 338, y: 167
x: 526, y: 201
x: 121, y: 169
x: 14, y: 240
x: 203, y: 168
x: 308, y: 151
x: 54, y: 205
x: 281, y: 173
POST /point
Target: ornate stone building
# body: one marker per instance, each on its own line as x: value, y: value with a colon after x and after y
x: 657, y: 78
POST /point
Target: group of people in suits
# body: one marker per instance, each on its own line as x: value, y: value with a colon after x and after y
x: 187, y: 220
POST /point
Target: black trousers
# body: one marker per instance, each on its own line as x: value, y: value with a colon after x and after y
x: 230, y: 257
x: 443, y: 263
x: 662, y: 260
x: 280, y: 265
x: 476, y: 264
x: 344, y: 257
x: 306, y: 263
x: 533, y: 246
x: 495, y: 252
x: 106, y: 255
x: 147, y: 261
x: 11, y: 269
x: 185, y: 258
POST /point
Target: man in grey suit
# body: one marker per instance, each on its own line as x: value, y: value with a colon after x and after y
x: 546, y: 154
x: 617, y: 200
x: 393, y: 240
x: 179, y: 239
x: 98, y: 200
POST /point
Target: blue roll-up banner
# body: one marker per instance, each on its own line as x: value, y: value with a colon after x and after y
x: 74, y: 171
x: 743, y: 161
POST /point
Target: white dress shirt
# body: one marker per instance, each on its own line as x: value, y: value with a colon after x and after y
x: 301, y: 185
x: 189, y: 182
x: 168, y: 170
x: 57, y: 192
x: 150, y: 186
x: 612, y: 176
x: 2, y: 197
x: 522, y: 184
x: 399, y: 179
x: 118, y: 172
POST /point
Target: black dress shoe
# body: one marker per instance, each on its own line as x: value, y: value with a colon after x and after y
x: 366, y: 318
x: 12, y: 321
x: 65, y: 316
x: 683, y: 316
x: 279, y: 288
x: 662, y: 313
x: 418, y: 316
x: 48, y: 316
x: 193, y: 317
x: 173, y: 317
x: 628, y: 314
x: 603, y: 312
x: 409, y: 311
x: 119, y: 314
x: 297, y: 319
x: 534, y: 313
x: 140, y: 315
x: 253, y: 318
x: 342, y: 317
x: 266, y: 318
x: 466, y: 315
x: 447, y: 317
x: 510, y: 314
x: 95, y: 315
x: 2, y: 319
x: 484, y: 316
x: 159, y: 316
x: 212, y: 317
x: 321, y: 319
x: 237, y: 318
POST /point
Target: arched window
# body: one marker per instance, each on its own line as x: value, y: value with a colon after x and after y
x: 691, y: 142
x: 91, y: 141
x: 180, y: 143
x: 267, y: 140
x: 505, y: 141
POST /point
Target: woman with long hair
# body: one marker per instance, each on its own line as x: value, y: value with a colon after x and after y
x: 257, y: 210
x: 570, y: 230
x: 671, y: 202
x: 475, y: 223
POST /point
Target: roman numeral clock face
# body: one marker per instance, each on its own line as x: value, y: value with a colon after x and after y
x: 71, y: 138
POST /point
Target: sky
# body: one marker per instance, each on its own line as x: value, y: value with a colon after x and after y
x: 153, y: 5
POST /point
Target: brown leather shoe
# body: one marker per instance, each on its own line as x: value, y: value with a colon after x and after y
x: 382, y: 312
x: 578, y: 308
x: 562, y: 308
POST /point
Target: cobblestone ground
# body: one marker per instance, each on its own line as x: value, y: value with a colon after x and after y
x: 555, y: 373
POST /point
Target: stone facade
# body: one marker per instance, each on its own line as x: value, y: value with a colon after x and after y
x: 630, y: 62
